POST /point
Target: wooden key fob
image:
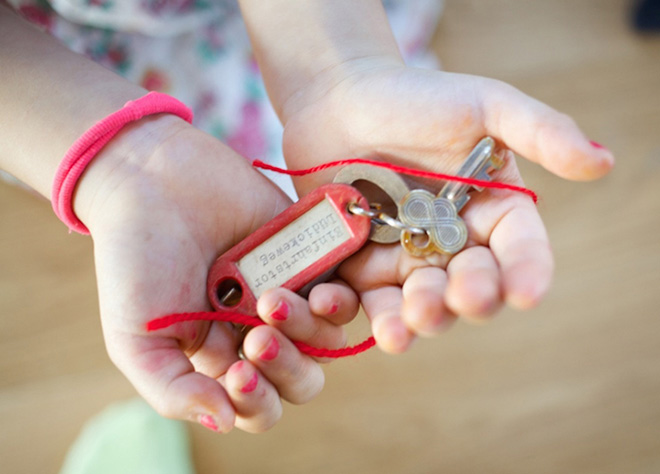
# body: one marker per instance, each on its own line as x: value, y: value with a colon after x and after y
x: 292, y: 250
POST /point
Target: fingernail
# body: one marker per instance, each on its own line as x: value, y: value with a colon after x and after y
x: 237, y: 367
x: 281, y: 312
x: 271, y: 351
x: 251, y: 385
x: 208, y: 422
x: 333, y: 308
x: 607, y: 159
x: 597, y: 145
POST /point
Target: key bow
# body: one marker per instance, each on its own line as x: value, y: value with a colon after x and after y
x: 447, y: 232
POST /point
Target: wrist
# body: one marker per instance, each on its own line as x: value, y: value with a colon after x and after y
x: 94, y: 140
x: 320, y: 86
x: 161, y: 169
x: 125, y: 162
x: 306, y: 47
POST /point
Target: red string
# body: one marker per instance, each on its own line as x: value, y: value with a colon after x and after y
x: 170, y: 319
x: 402, y: 170
x: 252, y: 321
x: 237, y: 318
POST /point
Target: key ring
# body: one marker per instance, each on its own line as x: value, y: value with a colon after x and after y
x: 382, y: 218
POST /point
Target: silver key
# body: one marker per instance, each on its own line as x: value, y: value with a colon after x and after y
x: 438, y: 214
x: 479, y: 163
x: 378, y: 181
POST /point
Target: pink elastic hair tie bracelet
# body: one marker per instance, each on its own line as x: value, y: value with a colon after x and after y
x: 83, y: 151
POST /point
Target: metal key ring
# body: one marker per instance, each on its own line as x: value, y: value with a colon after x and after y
x: 353, y: 208
x: 385, y: 219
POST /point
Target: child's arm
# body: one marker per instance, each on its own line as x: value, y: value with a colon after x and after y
x: 339, y: 85
x: 161, y: 201
x: 49, y: 98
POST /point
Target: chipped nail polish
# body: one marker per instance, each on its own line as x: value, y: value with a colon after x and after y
x: 208, y: 422
x: 271, y: 351
x: 597, y: 145
x: 251, y: 385
x: 281, y: 313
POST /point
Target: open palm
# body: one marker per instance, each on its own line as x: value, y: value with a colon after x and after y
x: 432, y: 120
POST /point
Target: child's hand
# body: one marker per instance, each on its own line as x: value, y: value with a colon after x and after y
x: 162, y: 201
x: 431, y: 120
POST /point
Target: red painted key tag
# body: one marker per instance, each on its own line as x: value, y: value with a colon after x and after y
x: 296, y: 247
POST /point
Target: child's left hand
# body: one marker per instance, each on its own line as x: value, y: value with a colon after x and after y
x: 431, y: 120
x: 162, y: 201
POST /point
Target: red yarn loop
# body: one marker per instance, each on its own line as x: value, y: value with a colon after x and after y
x: 399, y: 169
x: 306, y: 348
x: 237, y: 318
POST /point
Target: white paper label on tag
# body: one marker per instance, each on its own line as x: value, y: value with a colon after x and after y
x: 294, y: 248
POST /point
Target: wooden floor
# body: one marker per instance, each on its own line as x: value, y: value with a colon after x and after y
x: 571, y: 387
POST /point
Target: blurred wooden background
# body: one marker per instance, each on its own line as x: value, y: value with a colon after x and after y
x: 573, y: 386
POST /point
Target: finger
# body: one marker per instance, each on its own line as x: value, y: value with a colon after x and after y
x: 257, y: 403
x: 218, y: 351
x: 334, y: 301
x: 296, y: 377
x: 520, y: 245
x: 378, y: 273
x: 510, y: 225
x: 165, y: 377
x: 383, y: 306
x: 290, y: 313
x: 473, y: 290
x: 374, y: 265
x: 424, y: 310
x: 379, y: 265
x: 541, y: 134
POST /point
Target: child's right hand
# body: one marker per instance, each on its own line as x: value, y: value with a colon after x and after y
x: 342, y: 90
x: 162, y: 201
x: 432, y: 120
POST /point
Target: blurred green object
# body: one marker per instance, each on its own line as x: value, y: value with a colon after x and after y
x: 130, y: 437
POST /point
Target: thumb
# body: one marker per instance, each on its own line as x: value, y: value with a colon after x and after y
x: 541, y: 134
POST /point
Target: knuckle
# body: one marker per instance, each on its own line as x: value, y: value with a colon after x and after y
x: 311, y: 388
x: 265, y: 422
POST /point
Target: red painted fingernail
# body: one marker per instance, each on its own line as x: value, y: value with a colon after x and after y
x: 251, y: 385
x: 333, y: 308
x: 271, y: 351
x: 281, y: 312
x: 597, y: 145
x: 208, y: 422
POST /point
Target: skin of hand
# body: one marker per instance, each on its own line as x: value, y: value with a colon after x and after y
x: 426, y: 119
x: 162, y: 201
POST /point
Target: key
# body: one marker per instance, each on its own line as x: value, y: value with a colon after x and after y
x: 479, y: 163
x: 447, y: 233
x: 380, y: 185
x: 294, y: 249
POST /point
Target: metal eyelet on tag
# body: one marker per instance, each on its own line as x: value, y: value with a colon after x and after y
x: 299, y: 245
